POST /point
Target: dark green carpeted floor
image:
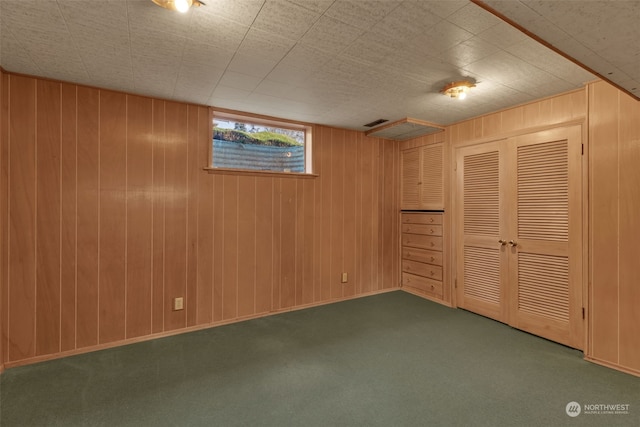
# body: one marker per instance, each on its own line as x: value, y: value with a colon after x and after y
x: 387, y: 360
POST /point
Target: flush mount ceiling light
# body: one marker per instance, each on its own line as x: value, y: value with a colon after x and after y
x: 181, y: 6
x: 458, y: 89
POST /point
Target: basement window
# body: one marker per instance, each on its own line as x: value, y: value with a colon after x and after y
x: 247, y: 144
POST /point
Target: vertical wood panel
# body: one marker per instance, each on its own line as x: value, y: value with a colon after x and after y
x: 300, y: 246
x: 277, y: 244
x: 139, y: 213
x: 230, y: 250
x: 264, y: 244
x: 158, y: 148
x: 367, y: 176
x: 246, y: 245
x: 375, y: 233
x: 288, y: 250
x: 48, y: 140
x: 88, y: 147
x: 218, y: 245
x: 349, y: 212
x: 326, y: 213
x: 193, y: 170
x: 175, y: 242
x: 68, y: 219
x: 308, y: 249
x: 629, y: 160
x: 205, y: 225
x: 603, y: 101
x: 4, y: 190
x: 22, y: 215
x: 337, y: 212
x: 318, y: 156
x: 113, y: 225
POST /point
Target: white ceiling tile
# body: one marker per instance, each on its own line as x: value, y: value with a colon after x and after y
x: 290, y: 74
x: 319, y: 6
x: 361, y: 13
x: 306, y: 58
x: 252, y: 65
x: 284, y: 18
x: 214, y: 56
x: 468, y: 51
x: 473, y: 19
x: 215, y: 30
x: 228, y: 93
x: 153, y: 43
x: 240, y: 81
x: 243, y: 12
x: 406, y: 23
x: 502, y: 35
x: 444, y: 36
x: 443, y: 9
x: 264, y: 44
x: 330, y: 35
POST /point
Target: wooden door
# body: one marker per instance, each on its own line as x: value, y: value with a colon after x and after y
x: 431, y: 177
x: 545, y: 258
x: 480, y: 258
x: 410, y: 172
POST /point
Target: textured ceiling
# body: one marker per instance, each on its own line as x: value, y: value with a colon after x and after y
x: 342, y: 63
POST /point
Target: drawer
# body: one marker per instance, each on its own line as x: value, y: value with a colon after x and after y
x: 429, y: 286
x: 421, y: 269
x: 422, y: 255
x: 428, y: 229
x: 421, y: 241
x: 422, y: 218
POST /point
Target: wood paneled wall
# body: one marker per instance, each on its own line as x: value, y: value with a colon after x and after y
x: 550, y: 111
x: 614, y: 139
x: 106, y: 215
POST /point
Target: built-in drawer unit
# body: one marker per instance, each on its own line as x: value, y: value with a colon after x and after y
x: 422, y: 252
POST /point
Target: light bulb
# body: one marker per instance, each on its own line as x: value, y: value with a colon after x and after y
x: 462, y: 95
x: 182, y: 6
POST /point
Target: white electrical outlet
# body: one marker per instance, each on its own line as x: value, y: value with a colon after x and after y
x: 344, y: 278
x: 178, y: 304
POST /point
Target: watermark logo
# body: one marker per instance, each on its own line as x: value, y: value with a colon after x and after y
x: 573, y: 409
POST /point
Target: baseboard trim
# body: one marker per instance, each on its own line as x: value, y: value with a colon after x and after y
x: 617, y: 367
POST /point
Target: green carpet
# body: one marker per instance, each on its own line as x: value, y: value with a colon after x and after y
x: 388, y: 360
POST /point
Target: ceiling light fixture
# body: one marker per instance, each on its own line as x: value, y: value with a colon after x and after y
x: 458, y: 89
x: 181, y: 6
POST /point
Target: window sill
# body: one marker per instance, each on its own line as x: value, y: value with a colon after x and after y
x: 251, y: 172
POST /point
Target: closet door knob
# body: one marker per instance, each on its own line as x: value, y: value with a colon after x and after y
x: 502, y: 242
x: 512, y: 243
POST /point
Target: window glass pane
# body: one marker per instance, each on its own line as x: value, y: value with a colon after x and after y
x: 244, y: 145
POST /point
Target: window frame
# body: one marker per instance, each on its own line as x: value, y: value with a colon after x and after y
x: 260, y: 120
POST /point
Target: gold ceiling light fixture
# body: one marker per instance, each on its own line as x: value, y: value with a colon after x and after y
x: 181, y: 6
x: 458, y: 89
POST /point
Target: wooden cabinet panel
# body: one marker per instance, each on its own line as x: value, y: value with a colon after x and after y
x: 427, y: 270
x: 422, y: 255
x: 429, y: 230
x: 423, y: 177
x: 432, y: 287
x: 422, y: 241
x: 422, y: 218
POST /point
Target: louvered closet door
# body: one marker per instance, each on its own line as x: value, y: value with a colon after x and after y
x: 545, y: 265
x: 432, y: 188
x: 481, y: 260
x: 410, y: 164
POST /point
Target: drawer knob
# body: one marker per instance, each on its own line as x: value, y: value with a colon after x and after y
x: 432, y: 244
x: 432, y: 273
x: 432, y: 259
x: 431, y: 231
